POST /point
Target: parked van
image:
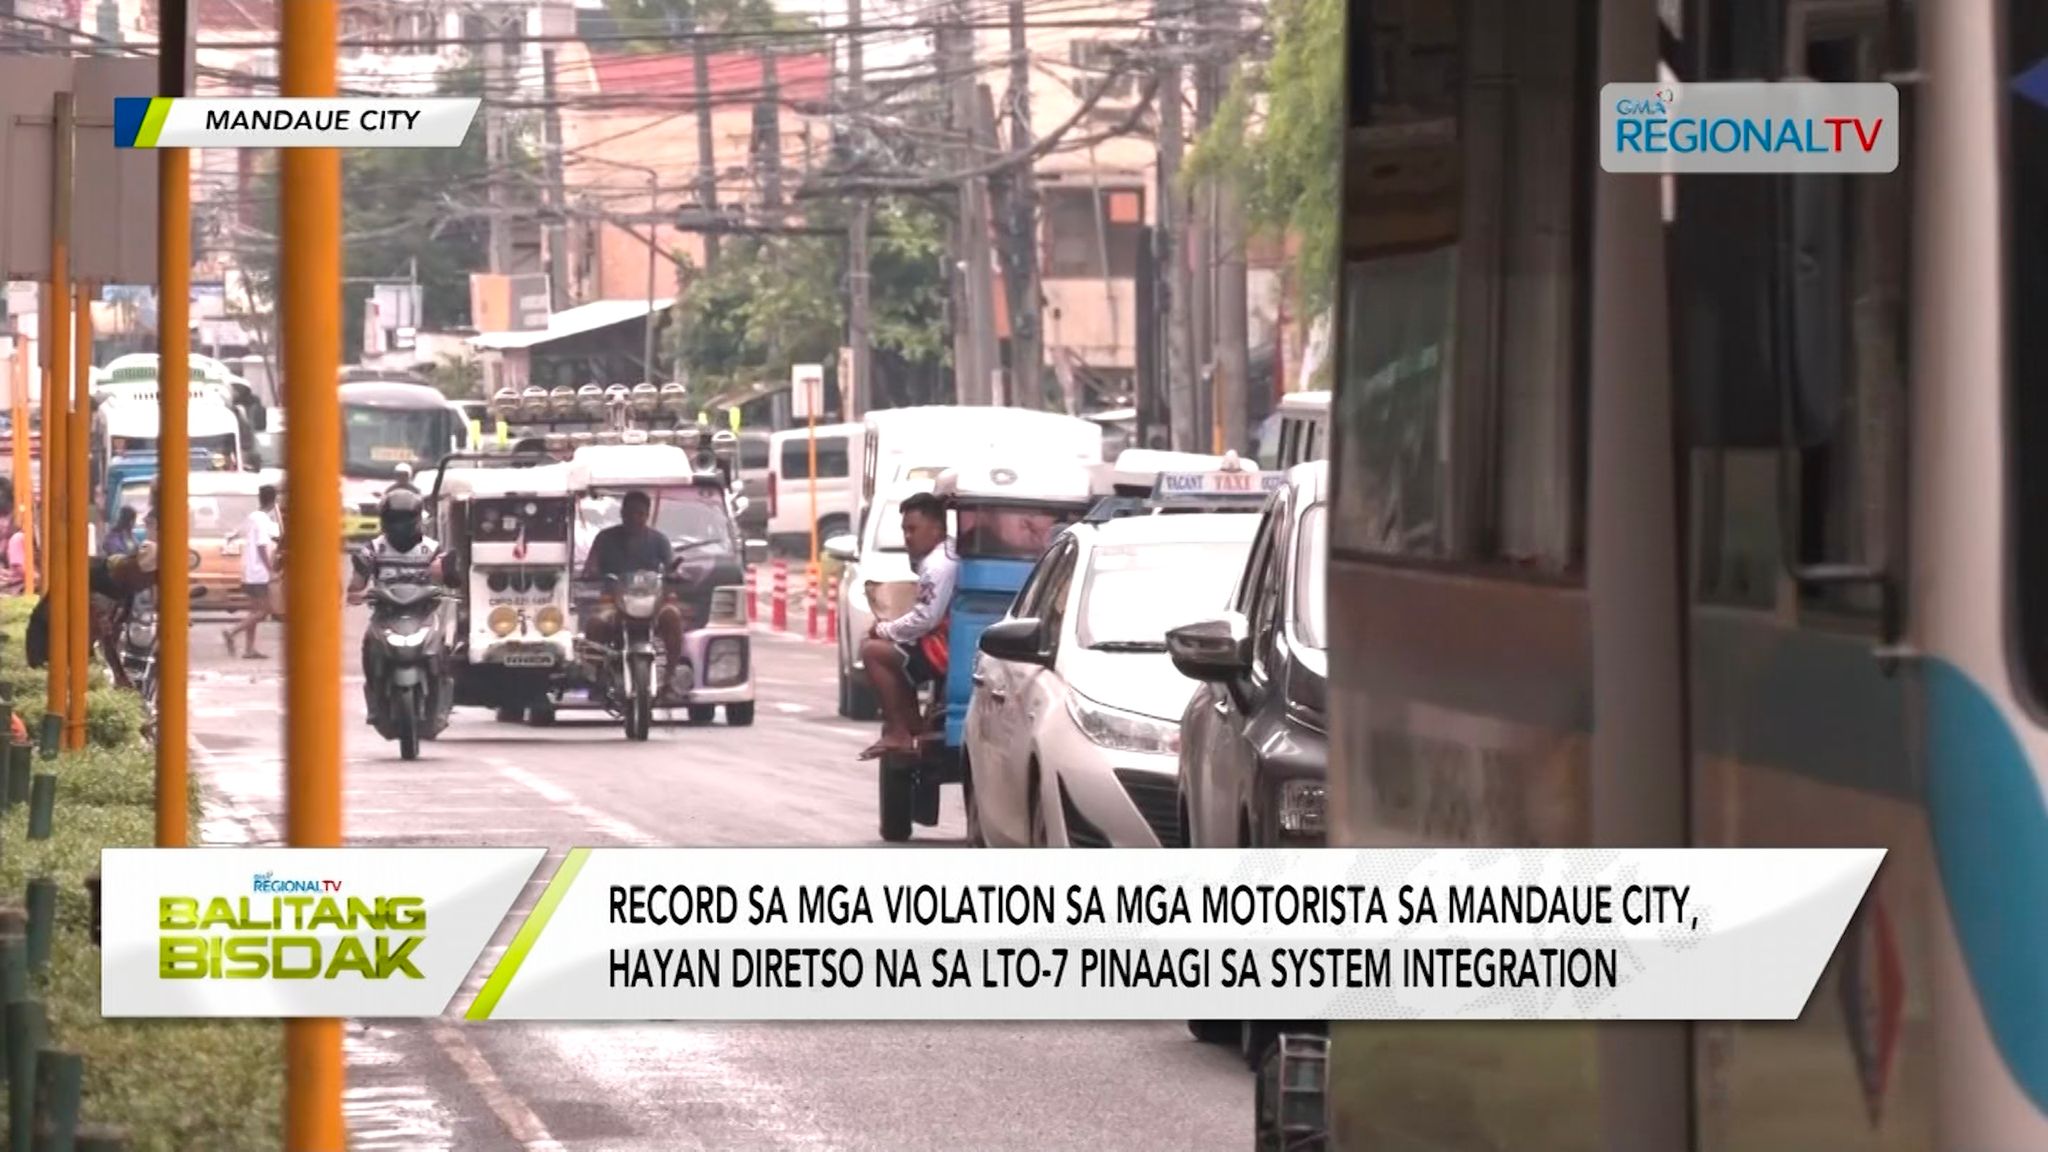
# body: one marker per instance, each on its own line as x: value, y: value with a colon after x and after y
x: 1297, y: 432
x: 898, y: 441
x: 789, y: 484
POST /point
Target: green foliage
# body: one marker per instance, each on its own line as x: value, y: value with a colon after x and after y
x: 770, y: 303
x: 457, y: 378
x: 657, y: 25
x: 1289, y: 164
x: 113, y: 717
x: 406, y: 210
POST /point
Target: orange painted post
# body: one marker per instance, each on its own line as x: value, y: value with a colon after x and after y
x: 77, y: 428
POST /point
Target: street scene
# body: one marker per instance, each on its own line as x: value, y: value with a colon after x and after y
x: 790, y: 780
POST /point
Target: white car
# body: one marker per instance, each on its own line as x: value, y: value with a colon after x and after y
x: 1073, y: 736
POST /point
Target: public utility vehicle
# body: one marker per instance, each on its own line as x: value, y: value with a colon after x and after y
x: 1006, y: 516
x: 505, y: 521
x: 391, y: 430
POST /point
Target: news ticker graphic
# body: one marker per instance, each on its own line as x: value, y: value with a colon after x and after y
x: 903, y: 934
x: 294, y: 122
x: 1749, y: 127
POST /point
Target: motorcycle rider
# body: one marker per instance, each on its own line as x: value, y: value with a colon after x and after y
x: 400, y: 549
x: 630, y: 546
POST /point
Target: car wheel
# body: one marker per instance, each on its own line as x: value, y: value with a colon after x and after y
x: 510, y: 715
x: 740, y: 715
x: 1214, y: 1031
x: 701, y: 714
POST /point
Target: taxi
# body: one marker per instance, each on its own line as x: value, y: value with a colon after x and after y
x: 1073, y: 735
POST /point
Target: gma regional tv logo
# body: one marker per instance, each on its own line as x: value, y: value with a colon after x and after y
x: 1749, y: 127
x: 293, y: 929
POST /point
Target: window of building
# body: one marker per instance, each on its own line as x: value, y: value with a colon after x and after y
x: 1102, y: 66
x: 1093, y: 233
x: 796, y: 458
x: 1468, y: 177
x: 2026, y: 162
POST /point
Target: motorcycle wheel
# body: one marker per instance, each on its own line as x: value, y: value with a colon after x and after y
x: 640, y: 700
x: 407, y: 718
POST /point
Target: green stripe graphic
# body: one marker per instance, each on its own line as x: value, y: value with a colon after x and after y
x: 522, y: 943
x: 153, y: 123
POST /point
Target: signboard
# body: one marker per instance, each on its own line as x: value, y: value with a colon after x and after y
x: 509, y: 303
x: 114, y: 190
x: 806, y: 391
x: 1219, y: 483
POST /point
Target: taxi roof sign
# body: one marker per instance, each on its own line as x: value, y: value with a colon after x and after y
x: 1208, y: 485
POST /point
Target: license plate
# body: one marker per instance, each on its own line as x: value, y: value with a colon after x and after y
x: 527, y: 660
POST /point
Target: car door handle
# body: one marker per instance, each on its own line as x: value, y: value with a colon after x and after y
x: 978, y: 678
x: 1222, y: 707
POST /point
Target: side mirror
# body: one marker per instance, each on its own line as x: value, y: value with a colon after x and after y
x: 1217, y: 650
x: 843, y: 547
x: 1020, y: 641
x: 756, y: 552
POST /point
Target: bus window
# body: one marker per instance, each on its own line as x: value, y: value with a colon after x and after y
x: 1462, y: 303
x: 2026, y: 120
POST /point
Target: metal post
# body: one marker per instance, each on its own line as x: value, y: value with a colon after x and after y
x: 857, y: 395
x: 310, y: 211
x: 811, y: 448
x: 57, y: 494
x: 174, y: 360
x: 24, y: 472
x: 81, y: 516
x: 653, y: 247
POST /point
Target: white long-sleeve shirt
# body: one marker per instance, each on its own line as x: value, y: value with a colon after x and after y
x: 938, y: 574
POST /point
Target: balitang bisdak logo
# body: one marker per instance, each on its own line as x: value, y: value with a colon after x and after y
x: 1749, y: 127
x: 299, y: 932
x: 307, y: 929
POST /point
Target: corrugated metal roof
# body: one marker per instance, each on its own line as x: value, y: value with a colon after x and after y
x: 575, y: 322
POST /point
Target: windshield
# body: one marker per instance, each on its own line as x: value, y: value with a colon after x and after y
x: 1134, y: 594
x: 1310, y: 571
x: 375, y: 441
x: 686, y: 514
x: 218, y: 515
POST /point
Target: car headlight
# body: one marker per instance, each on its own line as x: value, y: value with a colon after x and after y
x: 1121, y: 731
x: 407, y: 639
x: 548, y: 620
x: 725, y: 662
x: 1302, y: 807
x: 503, y: 619
x: 142, y: 635
x: 639, y: 605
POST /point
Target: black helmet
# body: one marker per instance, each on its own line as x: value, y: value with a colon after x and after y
x: 398, y: 515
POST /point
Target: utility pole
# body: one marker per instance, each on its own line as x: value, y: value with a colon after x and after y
x: 769, y: 157
x: 494, y: 144
x: 859, y: 398
x: 1233, y: 341
x: 551, y: 148
x: 996, y: 387
x: 1179, y: 362
x: 970, y: 372
x: 707, y: 152
x: 1201, y: 233
x: 1020, y: 255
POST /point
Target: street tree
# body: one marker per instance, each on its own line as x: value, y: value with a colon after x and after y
x: 1279, y: 134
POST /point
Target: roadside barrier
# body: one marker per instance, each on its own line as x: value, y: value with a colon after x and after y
x: 779, y: 597
x: 832, y: 609
x: 811, y: 605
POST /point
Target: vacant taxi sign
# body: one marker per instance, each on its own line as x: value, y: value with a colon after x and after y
x: 1243, y: 483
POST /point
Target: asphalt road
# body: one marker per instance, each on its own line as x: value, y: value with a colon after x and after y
x: 791, y: 779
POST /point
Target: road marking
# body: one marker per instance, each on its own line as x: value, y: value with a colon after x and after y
x: 562, y: 798
x: 792, y: 709
x: 519, y: 1120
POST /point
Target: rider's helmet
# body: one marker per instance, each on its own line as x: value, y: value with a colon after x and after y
x: 398, y: 517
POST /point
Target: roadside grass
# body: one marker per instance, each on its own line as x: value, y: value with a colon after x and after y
x: 174, y: 1085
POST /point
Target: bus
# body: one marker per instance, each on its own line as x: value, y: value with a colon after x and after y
x: 388, y: 427
x: 125, y: 421
x: 1707, y: 511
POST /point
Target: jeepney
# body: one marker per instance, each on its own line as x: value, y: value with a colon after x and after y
x: 506, y: 522
x: 693, y: 506
x: 1005, y: 516
x: 219, y: 505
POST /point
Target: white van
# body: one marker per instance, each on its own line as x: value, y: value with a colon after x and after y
x: 789, y: 484
x: 900, y: 441
x: 1297, y: 432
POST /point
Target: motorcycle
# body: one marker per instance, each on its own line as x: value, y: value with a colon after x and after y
x: 409, y: 680
x: 632, y: 663
x: 139, y: 658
